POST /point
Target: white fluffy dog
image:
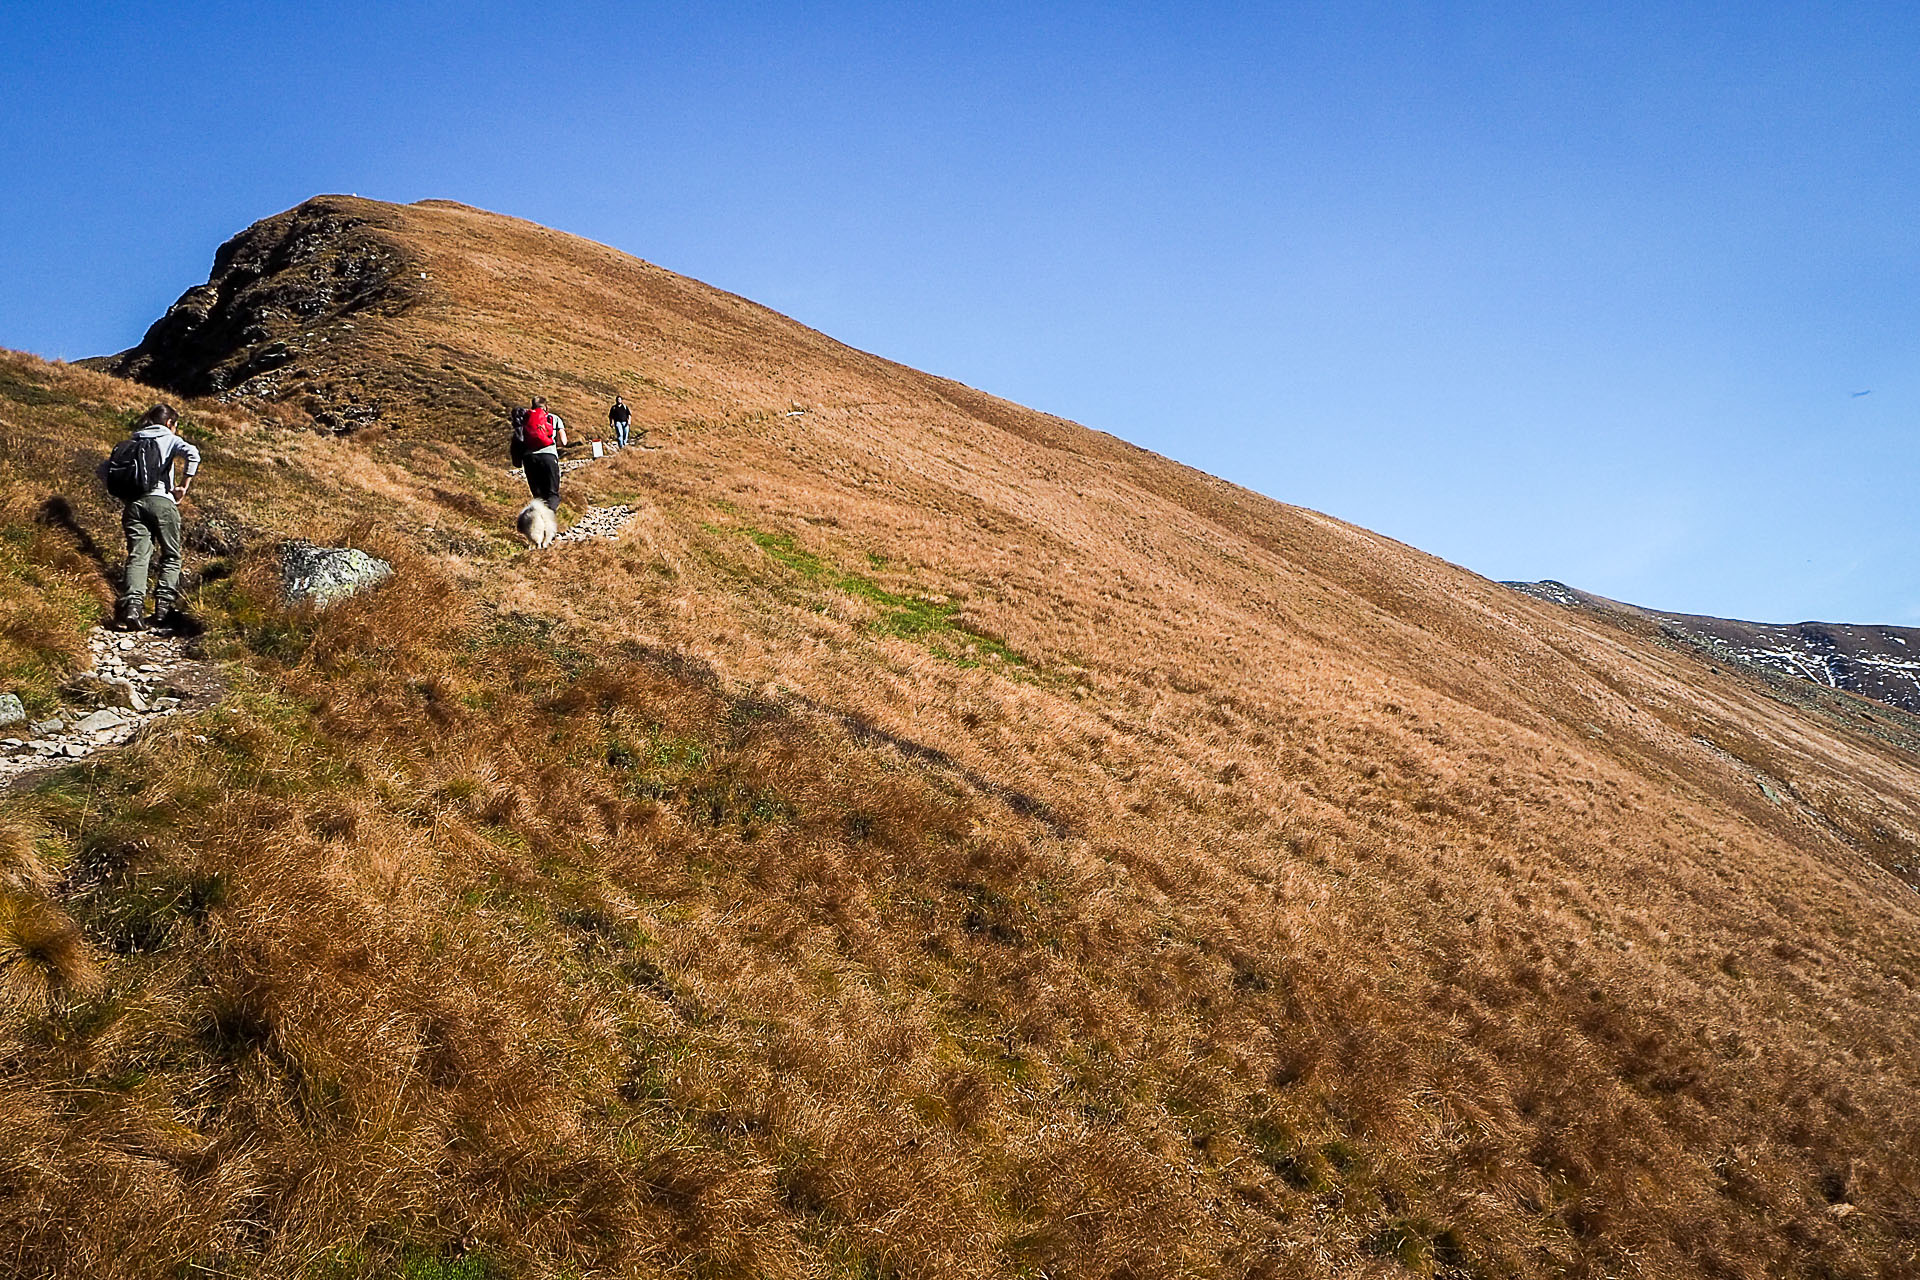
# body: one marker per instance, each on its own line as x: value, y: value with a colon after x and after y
x: 536, y: 523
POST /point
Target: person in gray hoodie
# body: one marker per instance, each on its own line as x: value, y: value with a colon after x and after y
x: 154, y: 518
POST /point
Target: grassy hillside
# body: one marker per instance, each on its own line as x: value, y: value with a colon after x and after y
x: 934, y: 840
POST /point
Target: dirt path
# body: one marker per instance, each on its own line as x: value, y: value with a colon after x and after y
x: 596, y: 522
x: 599, y: 522
x: 135, y: 679
x: 140, y: 677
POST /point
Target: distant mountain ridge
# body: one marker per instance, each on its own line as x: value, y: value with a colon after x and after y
x: 1878, y: 662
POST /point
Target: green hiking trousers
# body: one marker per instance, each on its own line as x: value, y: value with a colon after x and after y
x: 146, y: 521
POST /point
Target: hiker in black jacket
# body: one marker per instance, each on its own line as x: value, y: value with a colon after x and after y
x: 150, y: 514
x: 619, y: 418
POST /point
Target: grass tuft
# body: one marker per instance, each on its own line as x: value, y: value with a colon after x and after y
x: 42, y: 955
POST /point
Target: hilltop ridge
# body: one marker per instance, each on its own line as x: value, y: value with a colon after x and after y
x: 935, y: 839
x: 1874, y: 661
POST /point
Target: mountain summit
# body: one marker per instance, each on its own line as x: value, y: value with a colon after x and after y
x: 932, y: 838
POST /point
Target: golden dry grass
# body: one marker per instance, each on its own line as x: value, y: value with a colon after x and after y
x: 936, y: 840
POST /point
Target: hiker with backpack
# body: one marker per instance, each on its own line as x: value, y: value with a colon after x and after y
x: 537, y: 439
x: 139, y: 472
x: 619, y: 418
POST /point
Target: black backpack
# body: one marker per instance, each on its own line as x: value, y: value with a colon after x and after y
x: 133, y: 468
x: 517, y: 447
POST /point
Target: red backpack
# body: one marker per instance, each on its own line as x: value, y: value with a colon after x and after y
x: 539, y: 429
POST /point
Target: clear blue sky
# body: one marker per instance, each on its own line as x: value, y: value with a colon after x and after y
x: 1575, y: 290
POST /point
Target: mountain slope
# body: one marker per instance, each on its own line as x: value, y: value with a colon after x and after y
x: 1878, y: 662
x: 935, y: 839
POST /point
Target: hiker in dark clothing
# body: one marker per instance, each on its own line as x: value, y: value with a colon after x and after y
x: 619, y: 418
x: 141, y: 475
x: 545, y: 433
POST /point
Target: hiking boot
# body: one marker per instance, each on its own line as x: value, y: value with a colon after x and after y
x: 126, y: 616
x: 166, y: 616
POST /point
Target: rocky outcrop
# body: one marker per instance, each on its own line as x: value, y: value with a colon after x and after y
x: 1882, y: 663
x: 281, y: 292
x: 322, y: 575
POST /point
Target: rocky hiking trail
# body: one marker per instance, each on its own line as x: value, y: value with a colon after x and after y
x: 599, y: 522
x: 141, y: 677
x: 136, y: 679
x: 596, y: 522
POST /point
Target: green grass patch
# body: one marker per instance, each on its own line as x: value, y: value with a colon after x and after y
x: 931, y: 620
x: 1420, y: 1246
x: 472, y: 1266
x: 656, y: 765
x: 1295, y: 1163
x: 414, y: 1263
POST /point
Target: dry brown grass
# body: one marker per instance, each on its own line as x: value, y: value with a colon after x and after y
x: 935, y: 841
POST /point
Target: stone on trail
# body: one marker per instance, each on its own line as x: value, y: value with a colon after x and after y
x: 97, y: 721
x: 11, y: 712
x: 326, y: 574
x: 121, y: 692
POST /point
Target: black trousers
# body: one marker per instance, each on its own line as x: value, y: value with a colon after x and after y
x: 543, y: 478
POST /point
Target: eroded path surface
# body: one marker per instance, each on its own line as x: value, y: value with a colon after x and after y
x: 135, y: 679
x: 599, y: 522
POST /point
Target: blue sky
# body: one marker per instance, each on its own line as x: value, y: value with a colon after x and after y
x: 1572, y: 290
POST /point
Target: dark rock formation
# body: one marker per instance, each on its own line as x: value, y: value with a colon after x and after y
x: 280, y: 294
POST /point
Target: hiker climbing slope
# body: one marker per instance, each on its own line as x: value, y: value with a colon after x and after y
x: 544, y: 435
x: 140, y: 472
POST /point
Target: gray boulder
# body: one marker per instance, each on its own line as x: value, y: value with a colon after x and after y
x: 323, y: 575
x: 11, y: 712
x: 104, y: 719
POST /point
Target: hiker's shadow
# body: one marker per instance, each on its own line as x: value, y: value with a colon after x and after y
x: 57, y: 513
